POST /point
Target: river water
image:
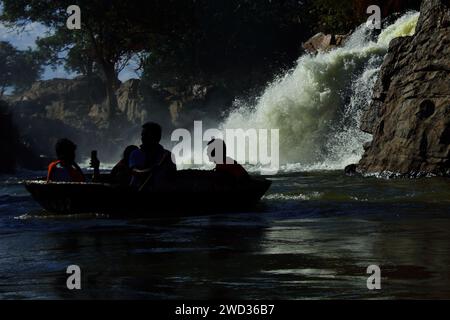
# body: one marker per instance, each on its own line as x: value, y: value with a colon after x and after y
x: 312, y: 236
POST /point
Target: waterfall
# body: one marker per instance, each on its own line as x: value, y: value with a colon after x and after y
x: 318, y: 104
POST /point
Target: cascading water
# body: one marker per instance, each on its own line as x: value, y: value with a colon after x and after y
x: 317, y: 105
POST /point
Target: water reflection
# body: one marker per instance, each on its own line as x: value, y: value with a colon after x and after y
x: 294, y: 247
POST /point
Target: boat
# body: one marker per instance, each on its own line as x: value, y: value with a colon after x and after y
x: 193, y: 192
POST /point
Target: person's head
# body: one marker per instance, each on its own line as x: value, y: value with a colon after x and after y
x: 128, y: 151
x: 65, y: 150
x: 151, y: 134
x: 217, y: 151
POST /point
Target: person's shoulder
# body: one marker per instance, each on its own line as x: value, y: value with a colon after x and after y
x: 138, y: 153
x: 53, y: 164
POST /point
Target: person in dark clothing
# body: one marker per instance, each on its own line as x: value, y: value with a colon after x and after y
x: 151, y: 165
x: 121, y: 172
x: 65, y: 169
x: 225, y: 166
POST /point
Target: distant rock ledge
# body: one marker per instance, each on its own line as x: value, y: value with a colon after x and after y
x: 409, y: 117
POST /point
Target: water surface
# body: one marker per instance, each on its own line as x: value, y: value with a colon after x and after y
x: 313, y: 236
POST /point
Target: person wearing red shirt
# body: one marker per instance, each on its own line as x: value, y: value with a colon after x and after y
x: 225, y: 166
x: 65, y: 169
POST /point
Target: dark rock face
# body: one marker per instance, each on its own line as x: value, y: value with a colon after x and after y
x: 58, y: 108
x: 8, y: 140
x: 13, y: 150
x: 410, y: 114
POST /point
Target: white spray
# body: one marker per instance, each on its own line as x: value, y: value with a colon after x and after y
x: 317, y: 106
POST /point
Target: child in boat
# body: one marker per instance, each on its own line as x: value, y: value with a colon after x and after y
x: 225, y: 166
x: 65, y: 169
x: 121, y: 172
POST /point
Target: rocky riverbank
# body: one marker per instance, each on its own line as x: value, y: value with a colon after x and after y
x: 410, y: 114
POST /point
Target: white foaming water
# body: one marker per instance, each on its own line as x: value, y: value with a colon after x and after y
x: 317, y: 106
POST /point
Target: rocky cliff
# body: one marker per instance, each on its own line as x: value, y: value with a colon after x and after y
x: 410, y: 114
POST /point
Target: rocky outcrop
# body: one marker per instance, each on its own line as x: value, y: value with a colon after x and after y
x: 8, y: 140
x: 410, y: 114
x: 324, y: 42
x: 207, y: 103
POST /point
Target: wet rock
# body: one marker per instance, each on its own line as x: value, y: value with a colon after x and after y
x: 350, y: 170
x: 324, y: 42
x: 410, y: 114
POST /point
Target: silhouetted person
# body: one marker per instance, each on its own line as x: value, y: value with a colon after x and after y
x: 121, y: 172
x: 225, y: 166
x: 65, y: 169
x: 151, y: 165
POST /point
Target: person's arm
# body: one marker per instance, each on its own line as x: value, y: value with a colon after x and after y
x: 50, y: 172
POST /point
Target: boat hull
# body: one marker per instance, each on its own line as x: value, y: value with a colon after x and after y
x: 191, y: 196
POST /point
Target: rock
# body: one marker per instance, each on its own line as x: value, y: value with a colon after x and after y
x: 350, y: 170
x: 140, y: 104
x: 410, y: 115
x: 324, y: 42
x: 8, y: 140
x: 57, y: 108
x: 199, y: 102
x: 14, y: 152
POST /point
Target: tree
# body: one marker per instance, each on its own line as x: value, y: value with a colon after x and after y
x: 107, y: 38
x: 226, y: 40
x: 112, y: 32
x: 18, y: 69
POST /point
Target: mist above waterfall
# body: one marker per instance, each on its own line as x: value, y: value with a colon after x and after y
x: 318, y: 104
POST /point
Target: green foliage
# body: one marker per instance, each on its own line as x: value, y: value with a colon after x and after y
x: 109, y: 32
x: 239, y: 42
x: 18, y: 69
x: 331, y: 16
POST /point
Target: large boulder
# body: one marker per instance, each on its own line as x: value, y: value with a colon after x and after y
x: 410, y: 114
x: 324, y: 42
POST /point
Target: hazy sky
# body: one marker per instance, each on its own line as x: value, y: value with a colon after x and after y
x: 26, y: 38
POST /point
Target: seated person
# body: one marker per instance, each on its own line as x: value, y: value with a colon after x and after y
x: 225, y: 166
x: 121, y: 172
x: 151, y: 164
x: 65, y: 168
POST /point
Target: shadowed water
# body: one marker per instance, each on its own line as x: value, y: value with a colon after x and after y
x: 312, y: 236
